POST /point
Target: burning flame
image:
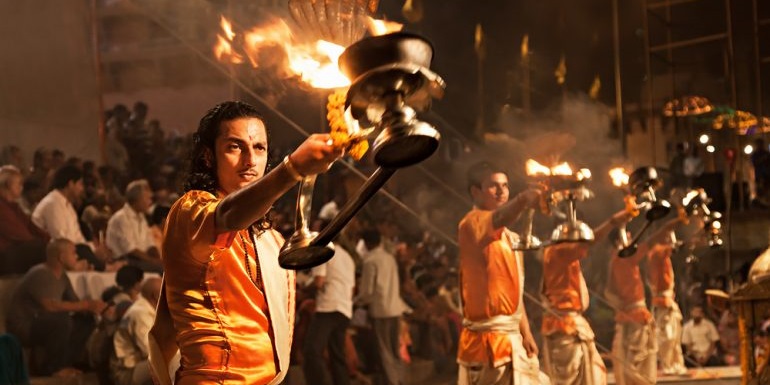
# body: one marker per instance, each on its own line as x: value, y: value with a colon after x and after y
x: 584, y: 174
x: 534, y: 168
x: 619, y: 176
x: 224, y: 50
x: 561, y: 169
x: 314, y: 63
x: 382, y: 27
x: 227, y: 28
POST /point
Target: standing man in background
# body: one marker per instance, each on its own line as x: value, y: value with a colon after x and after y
x: 380, y: 290
x: 334, y: 282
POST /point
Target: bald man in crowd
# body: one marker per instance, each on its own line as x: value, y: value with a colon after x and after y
x: 46, y: 313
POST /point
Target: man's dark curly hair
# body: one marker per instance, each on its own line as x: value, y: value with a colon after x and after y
x: 202, y: 174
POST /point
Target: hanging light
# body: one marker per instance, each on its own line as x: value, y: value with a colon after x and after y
x: 748, y: 149
x: 704, y: 139
x: 710, y: 149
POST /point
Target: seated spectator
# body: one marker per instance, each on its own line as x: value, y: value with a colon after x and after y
x: 31, y: 195
x: 110, y: 180
x: 128, y: 284
x: 100, y: 345
x: 130, y: 365
x: 12, y: 155
x: 95, y: 215
x: 47, y: 314
x: 58, y: 159
x: 115, y: 151
x: 56, y: 215
x: 128, y: 233
x: 42, y: 168
x: 700, y: 337
x: 22, y: 244
x: 729, y: 337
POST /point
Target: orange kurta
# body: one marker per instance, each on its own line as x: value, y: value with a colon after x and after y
x: 660, y: 275
x: 227, y: 329
x: 625, y: 289
x: 490, y: 287
x: 563, y: 286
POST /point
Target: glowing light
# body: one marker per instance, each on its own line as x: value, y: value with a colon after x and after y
x: 704, y: 139
x: 748, y: 149
x: 619, y: 176
x: 535, y: 168
x: 710, y: 148
x: 314, y: 63
x: 561, y: 169
x: 382, y: 27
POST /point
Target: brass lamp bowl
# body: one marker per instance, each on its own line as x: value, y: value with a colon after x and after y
x: 392, y: 83
x: 577, y: 231
x: 643, y: 182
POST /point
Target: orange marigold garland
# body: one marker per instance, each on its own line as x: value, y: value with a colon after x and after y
x: 353, y: 139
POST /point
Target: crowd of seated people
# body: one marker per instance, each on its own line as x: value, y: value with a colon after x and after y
x: 70, y: 214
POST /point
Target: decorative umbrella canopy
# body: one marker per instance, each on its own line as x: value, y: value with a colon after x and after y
x: 761, y: 127
x: 744, y: 122
x: 687, y: 106
x: 341, y: 22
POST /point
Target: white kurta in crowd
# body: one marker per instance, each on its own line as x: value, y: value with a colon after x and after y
x: 128, y: 230
x: 56, y: 215
x: 339, y: 280
x: 699, y: 336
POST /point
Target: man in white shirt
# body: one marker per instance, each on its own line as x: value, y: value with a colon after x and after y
x: 379, y: 289
x: 57, y: 216
x: 128, y: 233
x: 130, y: 366
x: 700, y: 337
x: 334, y: 281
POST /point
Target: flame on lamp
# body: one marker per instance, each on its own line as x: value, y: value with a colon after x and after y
x: 583, y: 174
x: 536, y: 169
x: 561, y: 169
x: 619, y: 176
x: 533, y: 168
x: 314, y: 63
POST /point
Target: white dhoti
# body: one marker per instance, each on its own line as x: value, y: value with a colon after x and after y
x: 572, y: 359
x: 634, y: 354
x: 520, y: 370
x: 668, y: 321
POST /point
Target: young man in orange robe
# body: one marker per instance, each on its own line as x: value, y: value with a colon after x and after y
x: 496, y: 344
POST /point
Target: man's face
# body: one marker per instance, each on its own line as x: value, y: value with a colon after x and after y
x: 68, y: 257
x: 493, y: 192
x: 144, y: 202
x: 241, y: 153
x: 75, y: 190
x: 697, y: 314
x: 15, y: 186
